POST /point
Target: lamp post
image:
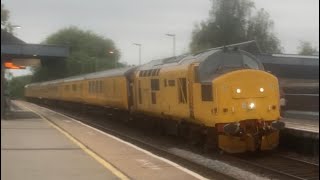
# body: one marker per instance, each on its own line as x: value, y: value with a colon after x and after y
x: 115, y: 61
x: 174, y: 43
x: 139, y: 45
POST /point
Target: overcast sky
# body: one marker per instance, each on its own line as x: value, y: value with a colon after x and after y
x: 147, y: 22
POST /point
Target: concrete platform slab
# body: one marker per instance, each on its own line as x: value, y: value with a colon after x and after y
x: 131, y: 160
x: 32, y: 149
x: 307, y: 115
x: 34, y: 138
x: 24, y: 123
x: 305, y: 128
x: 50, y: 165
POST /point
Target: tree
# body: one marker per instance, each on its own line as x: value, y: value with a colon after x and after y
x: 89, y: 52
x: 16, y: 86
x: 305, y: 48
x: 230, y: 22
x: 5, y: 24
x: 260, y: 28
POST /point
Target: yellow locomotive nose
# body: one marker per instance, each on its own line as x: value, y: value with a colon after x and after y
x: 253, y: 97
x: 246, y: 94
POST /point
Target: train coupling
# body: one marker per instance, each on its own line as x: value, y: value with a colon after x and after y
x: 277, y: 125
x: 231, y: 128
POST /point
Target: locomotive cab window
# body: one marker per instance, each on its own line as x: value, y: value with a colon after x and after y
x: 249, y: 62
x: 222, y: 62
x: 206, y: 93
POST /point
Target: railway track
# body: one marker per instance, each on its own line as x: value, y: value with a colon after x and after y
x: 280, y: 167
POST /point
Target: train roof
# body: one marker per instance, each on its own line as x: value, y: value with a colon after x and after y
x: 107, y: 73
x: 191, y: 58
x: 155, y: 64
x: 178, y: 60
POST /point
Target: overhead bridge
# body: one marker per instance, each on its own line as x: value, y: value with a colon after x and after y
x: 17, y: 54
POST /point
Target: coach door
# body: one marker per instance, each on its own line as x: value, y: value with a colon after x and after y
x: 192, y: 76
x: 130, y: 84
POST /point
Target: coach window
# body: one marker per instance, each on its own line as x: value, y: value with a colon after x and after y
x: 114, y: 87
x: 97, y: 86
x: 165, y: 82
x: 74, y: 87
x: 171, y: 82
x: 155, y: 85
x: 206, y: 93
x: 100, y: 86
x: 139, y: 91
x: 90, y: 87
x: 94, y: 86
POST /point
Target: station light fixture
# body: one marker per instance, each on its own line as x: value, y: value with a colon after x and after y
x: 10, y: 65
x: 261, y: 89
x: 238, y: 90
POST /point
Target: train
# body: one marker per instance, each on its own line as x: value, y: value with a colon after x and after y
x: 222, y: 93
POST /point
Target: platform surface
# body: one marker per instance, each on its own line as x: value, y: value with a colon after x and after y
x: 46, y: 153
x: 31, y: 149
x: 308, y: 125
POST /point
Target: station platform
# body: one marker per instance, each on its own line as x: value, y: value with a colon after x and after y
x: 308, y: 128
x: 37, y: 143
x: 308, y: 115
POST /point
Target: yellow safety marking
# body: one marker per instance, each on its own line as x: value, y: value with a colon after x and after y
x: 84, y: 148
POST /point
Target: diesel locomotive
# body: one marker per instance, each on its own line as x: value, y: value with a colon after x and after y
x: 223, y: 92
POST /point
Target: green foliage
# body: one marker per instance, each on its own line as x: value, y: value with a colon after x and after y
x: 5, y: 24
x: 305, y: 48
x: 230, y: 22
x: 16, y: 86
x: 260, y: 28
x: 89, y: 52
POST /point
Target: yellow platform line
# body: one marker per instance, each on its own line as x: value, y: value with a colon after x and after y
x: 103, y: 162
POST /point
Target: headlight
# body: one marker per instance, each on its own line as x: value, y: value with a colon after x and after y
x: 238, y: 90
x: 252, y: 106
x: 261, y: 89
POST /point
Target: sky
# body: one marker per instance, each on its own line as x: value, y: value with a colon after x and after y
x: 147, y: 21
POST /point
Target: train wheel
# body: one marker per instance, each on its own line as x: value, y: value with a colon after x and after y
x: 211, y: 141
